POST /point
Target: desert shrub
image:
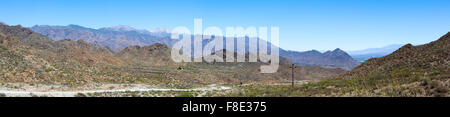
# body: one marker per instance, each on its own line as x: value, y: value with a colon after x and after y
x: 186, y: 94
x: 377, y: 76
x: 5, y: 48
x: 435, y: 72
x: 80, y: 95
x: 48, y: 70
x: 424, y: 80
x: 435, y: 88
x: 405, y: 72
x: 180, y: 68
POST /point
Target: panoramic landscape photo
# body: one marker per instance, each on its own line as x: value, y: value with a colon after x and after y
x: 224, y: 48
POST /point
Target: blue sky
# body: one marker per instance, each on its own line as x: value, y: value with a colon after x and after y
x: 304, y: 24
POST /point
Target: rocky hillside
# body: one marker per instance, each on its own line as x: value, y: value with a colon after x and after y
x: 156, y: 54
x: 429, y: 58
x: 422, y: 70
x: 85, y: 53
x: 28, y: 57
x: 26, y: 36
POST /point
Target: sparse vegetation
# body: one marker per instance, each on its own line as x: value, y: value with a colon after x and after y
x: 375, y: 85
x: 35, y: 59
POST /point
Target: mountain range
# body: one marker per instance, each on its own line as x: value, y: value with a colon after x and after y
x: 32, y: 58
x: 116, y: 38
x: 329, y: 59
x: 119, y: 37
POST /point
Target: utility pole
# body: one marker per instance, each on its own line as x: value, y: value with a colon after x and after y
x: 292, y: 68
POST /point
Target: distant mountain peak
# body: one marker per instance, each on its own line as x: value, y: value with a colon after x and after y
x: 338, y: 50
x: 160, y: 30
x: 121, y: 28
x: 331, y: 59
x: 337, y: 53
x: 77, y: 27
x: 125, y: 28
x: 315, y: 51
x: 74, y: 25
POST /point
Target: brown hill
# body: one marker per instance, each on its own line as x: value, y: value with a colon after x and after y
x: 26, y: 36
x: 422, y: 70
x: 28, y: 57
x: 86, y: 53
x: 425, y: 59
x: 156, y: 55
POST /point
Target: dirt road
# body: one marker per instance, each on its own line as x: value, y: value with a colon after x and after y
x: 25, y: 93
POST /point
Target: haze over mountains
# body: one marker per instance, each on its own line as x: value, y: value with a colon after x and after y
x: 428, y: 59
x: 116, y: 38
x: 119, y: 37
x: 363, y: 55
